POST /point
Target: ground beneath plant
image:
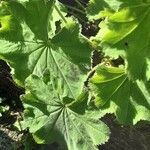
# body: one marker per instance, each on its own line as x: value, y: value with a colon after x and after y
x: 122, y: 137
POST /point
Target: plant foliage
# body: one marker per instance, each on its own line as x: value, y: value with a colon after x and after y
x: 127, y: 99
x: 52, y: 59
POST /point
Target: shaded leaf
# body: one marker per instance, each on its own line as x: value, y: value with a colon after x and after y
x: 114, y: 92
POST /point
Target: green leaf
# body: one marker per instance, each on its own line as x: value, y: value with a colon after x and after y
x: 50, y: 117
x: 115, y: 93
x: 3, y: 108
x: 10, y: 29
x: 124, y: 32
x: 64, y: 57
x: 95, y: 7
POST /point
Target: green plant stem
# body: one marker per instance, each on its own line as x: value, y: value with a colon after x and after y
x: 65, y: 21
x: 78, y: 2
x: 60, y: 14
x: 19, y: 122
x: 76, y: 9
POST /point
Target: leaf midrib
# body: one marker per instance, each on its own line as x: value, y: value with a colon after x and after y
x: 49, y: 49
x: 116, y: 89
x: 63, y: 76
x: 78, y: 130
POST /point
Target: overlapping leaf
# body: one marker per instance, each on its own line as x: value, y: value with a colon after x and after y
x: 64, y: 57
x: 114, y: 92
x: 55, y: 106
x: 126, y: 32
x: 95, y: 7
x: 53, y: 118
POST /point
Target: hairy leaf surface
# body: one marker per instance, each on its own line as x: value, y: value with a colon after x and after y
x: 63, y: 57
x: 50, y: 117
x: 113, y: 90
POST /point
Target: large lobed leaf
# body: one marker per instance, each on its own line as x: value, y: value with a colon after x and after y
x: 125, y: 31
x: 53, y: 118
x: 59, y: 61
x: 116, y: 93
x: 39, y: 51
x: 63, y: 57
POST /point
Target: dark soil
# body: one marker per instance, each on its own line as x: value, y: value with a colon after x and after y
x: 127, y: 137
x: 9, y: 91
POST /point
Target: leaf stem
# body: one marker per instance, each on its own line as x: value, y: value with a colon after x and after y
x: 76, y: 9
x: 60, y: 14
x: 21, y: 117
x: 78, y: 2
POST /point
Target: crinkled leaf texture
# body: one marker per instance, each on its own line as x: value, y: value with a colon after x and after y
x: 126, y: 32
x: 64, y: 56
x: 59, y: 60
x: 115, y: 93
x: 50, y: 117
